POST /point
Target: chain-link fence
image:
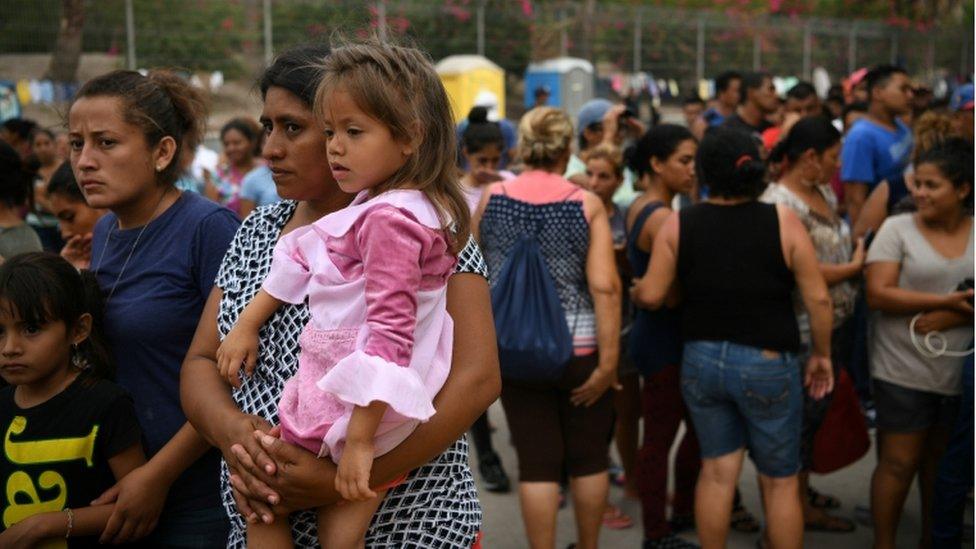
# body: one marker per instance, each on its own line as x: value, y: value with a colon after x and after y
x: 239, y: 37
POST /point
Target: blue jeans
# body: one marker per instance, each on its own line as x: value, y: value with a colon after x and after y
x: 744, y: 397
x: 955, y: 476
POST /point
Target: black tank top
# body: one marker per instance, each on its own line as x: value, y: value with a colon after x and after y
x: 735, y: 284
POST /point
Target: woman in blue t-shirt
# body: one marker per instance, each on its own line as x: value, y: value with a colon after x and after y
x: 155, y: 255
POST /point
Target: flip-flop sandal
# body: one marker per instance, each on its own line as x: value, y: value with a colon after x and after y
x: 743, y: 521
x: 822, y: 501
x: 615, y: 519
x: 831, y: 524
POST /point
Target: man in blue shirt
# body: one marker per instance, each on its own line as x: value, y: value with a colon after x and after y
x: 879, y: 147
x: 727, y: 89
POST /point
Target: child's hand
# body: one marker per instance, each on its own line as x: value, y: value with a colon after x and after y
x: 239, y: 347
x: 352, y: 478
x: 25, y: 534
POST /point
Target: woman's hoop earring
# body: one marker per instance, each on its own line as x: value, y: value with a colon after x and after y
x: 77, y: 358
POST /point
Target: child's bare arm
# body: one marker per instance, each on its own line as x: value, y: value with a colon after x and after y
x: 241, y: 344
x: 352, y: 478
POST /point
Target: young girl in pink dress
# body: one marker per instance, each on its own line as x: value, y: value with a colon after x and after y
x: 377, y: 348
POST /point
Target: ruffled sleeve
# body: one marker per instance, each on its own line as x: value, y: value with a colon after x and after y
x: 394, y: 248
x: 289, y: 275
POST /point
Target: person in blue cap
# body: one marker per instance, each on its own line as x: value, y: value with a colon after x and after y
x: 961, y: 106
x: 601, y: 121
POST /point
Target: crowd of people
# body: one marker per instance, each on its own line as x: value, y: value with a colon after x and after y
x: 285, y: 343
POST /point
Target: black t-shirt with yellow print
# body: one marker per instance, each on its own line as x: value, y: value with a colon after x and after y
x: 55, y: 455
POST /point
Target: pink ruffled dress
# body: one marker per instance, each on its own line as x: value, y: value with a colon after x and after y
x: 375, y: 275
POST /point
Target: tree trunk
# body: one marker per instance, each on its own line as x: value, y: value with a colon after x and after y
x: 67, y: 49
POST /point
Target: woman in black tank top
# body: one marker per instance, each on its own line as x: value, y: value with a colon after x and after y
x: 737, y: 262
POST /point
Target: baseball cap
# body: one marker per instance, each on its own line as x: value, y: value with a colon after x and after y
x: 489, y: 101
x: 592, y: 112
x: 962, y: 98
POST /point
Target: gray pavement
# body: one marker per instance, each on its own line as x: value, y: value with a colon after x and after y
x: 503, y: 523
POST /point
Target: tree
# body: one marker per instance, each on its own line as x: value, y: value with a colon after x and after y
x: 67, y: 49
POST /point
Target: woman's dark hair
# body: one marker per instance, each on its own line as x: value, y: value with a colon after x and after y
x: 814, y: 132
x: 954, y: 158
x: 63, y: 183
x: 728, y: 162
x: 161, y: 104
x: 659, y: 142
x: 15, y: 180
x: 246, y: 127
x: 481, y: 132
x: 41, y: 287
x: 296, y: 70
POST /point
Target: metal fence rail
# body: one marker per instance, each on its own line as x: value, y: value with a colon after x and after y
x: 684, y: 45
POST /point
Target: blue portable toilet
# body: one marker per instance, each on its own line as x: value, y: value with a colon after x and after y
x: 569, y: 81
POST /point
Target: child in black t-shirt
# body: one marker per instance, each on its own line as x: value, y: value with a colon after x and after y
x: 68, y: 433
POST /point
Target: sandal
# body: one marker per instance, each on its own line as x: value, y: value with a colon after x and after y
x: 615, y: 519
x: 821, y: 501
x: 830, y: 523
x: 743, y: 521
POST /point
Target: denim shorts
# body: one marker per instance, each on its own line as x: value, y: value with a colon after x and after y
x: 744, y: 397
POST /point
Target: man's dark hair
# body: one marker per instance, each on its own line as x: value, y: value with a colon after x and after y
x: 724, y: 80
x: 693, y: 99
x: 751, y: 81
x: 881, y: 75
x: 801, y: 91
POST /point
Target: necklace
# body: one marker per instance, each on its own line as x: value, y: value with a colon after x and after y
x: 131, y: 251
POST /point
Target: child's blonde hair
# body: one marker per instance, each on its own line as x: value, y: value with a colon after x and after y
x: 611, y: 154
x: 399, y: 87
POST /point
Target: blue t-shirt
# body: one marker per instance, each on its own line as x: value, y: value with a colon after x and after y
x: 258, y: 187
x: 152, y: 314
x: 873, y: 153
x: 713, y: 117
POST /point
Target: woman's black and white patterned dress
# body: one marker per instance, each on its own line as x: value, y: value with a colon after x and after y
x: 437, y: 506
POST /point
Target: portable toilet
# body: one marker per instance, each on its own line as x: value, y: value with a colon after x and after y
x: 466, y: 77
x: 569, y: 81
